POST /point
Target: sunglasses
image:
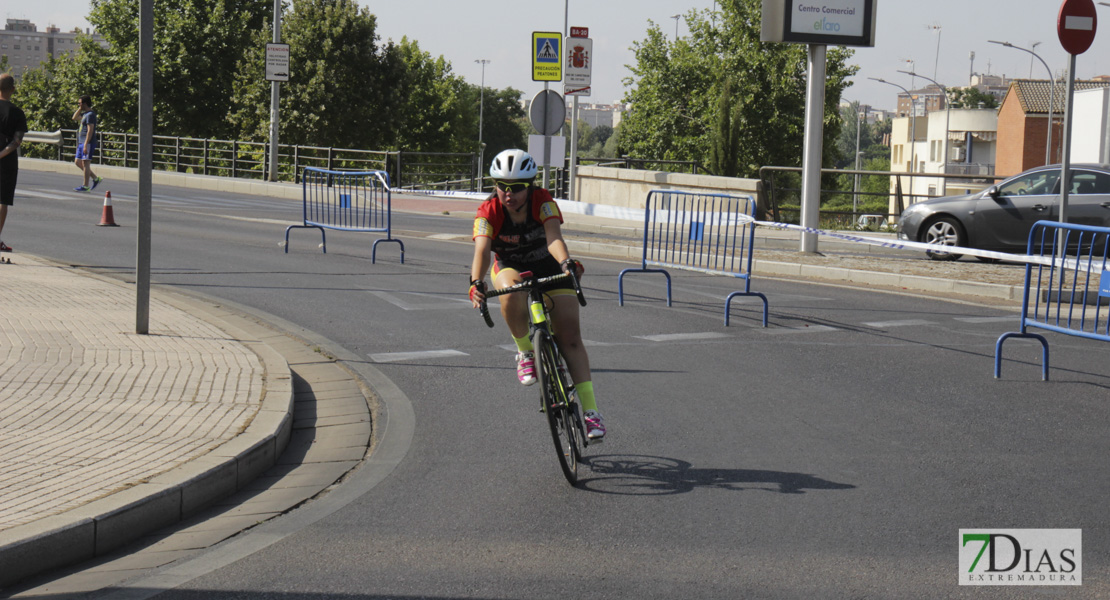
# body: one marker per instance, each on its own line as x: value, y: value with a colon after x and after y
x: 512, y: 186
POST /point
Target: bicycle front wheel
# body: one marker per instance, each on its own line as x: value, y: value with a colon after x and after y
x: 556, y: 405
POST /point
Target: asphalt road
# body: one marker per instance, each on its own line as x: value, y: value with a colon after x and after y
x: 836, y: 453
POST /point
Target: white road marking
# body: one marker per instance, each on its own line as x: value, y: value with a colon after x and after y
x: 988, y: 319
x: 440, y: 303
x: 389, y: 357
x: 682, y: 337
x: 231, y: 218
x: 587, y: 343
x: 902, y: 323
x: 801, y: 329
x: 53, y: 195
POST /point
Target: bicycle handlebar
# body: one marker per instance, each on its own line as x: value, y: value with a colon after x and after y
x: 528, y: 284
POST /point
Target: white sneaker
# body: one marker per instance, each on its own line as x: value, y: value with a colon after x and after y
x: 595, y: 427
x: 526, y: 367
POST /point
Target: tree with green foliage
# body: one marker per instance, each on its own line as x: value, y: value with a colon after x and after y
x: 846, y: 143
x: 725, y: 152
x: 970, y: 97
x: 197, y: 47
x: 677, y: 87
x: 341, y: 86
x: 347, y: 89
x: 504, y: 117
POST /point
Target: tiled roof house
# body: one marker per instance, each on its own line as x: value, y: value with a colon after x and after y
x: 1023, y: 123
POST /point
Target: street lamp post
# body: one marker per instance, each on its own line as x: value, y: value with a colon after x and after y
x: 947, y: 112
x: 481, y: 116
x: 855, y: 187
x: 1051, y: 96
x: 913, y: 129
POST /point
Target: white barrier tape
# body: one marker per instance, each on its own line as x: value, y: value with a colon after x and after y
x: 1047, y: 261
x: 446, y: 193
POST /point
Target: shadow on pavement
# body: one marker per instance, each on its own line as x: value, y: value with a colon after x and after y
x: 652, y: 475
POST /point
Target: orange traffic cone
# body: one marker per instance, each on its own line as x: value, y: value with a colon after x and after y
x: 106, y: 218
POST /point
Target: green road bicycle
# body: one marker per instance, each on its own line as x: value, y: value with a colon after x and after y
x: 559, y: 404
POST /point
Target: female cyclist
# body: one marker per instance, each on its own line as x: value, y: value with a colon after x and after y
x: 521, y: 225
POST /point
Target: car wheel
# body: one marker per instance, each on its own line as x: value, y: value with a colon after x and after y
x: 945, y: 231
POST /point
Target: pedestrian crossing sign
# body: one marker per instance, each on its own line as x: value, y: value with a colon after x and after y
x: 547, y: 63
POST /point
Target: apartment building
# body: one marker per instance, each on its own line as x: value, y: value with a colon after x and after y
x: 25, y: 47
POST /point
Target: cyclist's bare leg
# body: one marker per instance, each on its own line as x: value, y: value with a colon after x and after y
x: 569, y: 337
x: 514, y: 307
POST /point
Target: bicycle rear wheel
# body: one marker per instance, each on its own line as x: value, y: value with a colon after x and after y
x: 557, y: 406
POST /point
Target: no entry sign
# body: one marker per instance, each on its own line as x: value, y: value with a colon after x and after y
x: 1076, y: 25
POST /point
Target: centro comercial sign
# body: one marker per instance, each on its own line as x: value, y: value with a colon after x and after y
x: 832, y: 22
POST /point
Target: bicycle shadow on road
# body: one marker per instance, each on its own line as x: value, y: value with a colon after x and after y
x: 636, y: 475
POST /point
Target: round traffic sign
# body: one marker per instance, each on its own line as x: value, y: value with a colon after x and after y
x: 1076, y: 25
x: 548, y: 112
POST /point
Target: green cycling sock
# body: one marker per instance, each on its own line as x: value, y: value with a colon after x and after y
x: 585, y: 391
x: 523, y: 344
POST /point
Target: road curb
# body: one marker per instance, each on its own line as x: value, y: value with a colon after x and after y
x: 121, y: 517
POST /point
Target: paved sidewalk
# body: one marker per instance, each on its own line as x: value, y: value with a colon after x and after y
x: 103, y: 431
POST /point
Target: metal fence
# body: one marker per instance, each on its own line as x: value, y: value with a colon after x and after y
x: 1067, y: 290
x: 710, y: 233
x: 449, y: 171
x: 347, y: 201
x: 250, y: 160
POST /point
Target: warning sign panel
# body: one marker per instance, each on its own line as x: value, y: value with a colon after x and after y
x: 547, y: 63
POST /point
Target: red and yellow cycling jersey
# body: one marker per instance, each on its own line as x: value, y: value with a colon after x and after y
x: 517, y: 243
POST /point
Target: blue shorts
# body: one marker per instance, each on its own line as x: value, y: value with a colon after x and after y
x: 82, y: 154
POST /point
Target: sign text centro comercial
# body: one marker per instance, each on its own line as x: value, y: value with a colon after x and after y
x: 837, y: 22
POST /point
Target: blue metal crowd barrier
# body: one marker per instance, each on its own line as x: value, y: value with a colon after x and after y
x: 709, y: 233
x: 347, y: 201
x: 1067, y: 286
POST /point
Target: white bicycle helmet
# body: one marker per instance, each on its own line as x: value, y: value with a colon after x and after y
x: 511, y: 165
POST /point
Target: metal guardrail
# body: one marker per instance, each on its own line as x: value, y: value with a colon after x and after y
x: 1069, y: 292
x: 450, y: 171
x: 347, y: 201
x: 53, y: 138
x: 709, y: 233
x: 250, y: 160
x: 778, y: 192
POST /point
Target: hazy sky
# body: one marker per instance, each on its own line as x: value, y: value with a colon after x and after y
x: 500, y: 31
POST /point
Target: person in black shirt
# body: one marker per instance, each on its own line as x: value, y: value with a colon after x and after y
x: 13, y: 124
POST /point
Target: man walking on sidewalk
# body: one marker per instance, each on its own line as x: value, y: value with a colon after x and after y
x: 13, y: 124
x: 86, y: 143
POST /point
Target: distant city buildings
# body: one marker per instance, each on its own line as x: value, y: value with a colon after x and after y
x: 25, y: 47
x: 594, y: 115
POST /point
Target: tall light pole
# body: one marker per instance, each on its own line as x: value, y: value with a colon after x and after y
x: 481, y: 116
x: 274, y: 100
x: 913, y: 129
x: 855, y: 190
x: 947, y: 112
x: 676, y: 18
x: 1051, y: 96
x: 936, y: 60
